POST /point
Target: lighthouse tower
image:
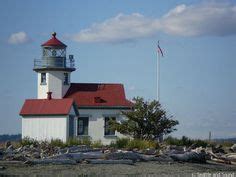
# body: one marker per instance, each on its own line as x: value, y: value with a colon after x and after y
x: 53, y: 69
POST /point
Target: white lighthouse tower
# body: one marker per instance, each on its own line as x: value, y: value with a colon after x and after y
x: 53, y: 69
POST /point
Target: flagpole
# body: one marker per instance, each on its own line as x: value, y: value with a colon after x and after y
x: 158, y: 75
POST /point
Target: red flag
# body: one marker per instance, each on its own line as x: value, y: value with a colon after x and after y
x: 159, y: 49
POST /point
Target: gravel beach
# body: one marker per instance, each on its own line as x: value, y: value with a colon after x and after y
x: 139, y: 169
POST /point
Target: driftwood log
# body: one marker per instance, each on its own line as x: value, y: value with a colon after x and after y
x: 101, y: 161
x: 190, y: 157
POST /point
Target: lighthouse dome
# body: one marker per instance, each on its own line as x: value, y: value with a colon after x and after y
x: 54, y: 42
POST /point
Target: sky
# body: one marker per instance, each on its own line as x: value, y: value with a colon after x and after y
x: 115, y: 41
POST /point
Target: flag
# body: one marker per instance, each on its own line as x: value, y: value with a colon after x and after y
x: 159, y: 50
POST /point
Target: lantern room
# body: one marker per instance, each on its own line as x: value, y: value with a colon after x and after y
x: 54, y: 56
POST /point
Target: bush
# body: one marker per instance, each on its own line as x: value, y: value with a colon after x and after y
x: 185, y: 141
x: 141, y: 144
x: 133, y: 144
x: 85, y: 141
x: 57, y: 142
x: 97, y: 144
x: 79, y: 141
x: 28, y: 141
x: 122, y: 142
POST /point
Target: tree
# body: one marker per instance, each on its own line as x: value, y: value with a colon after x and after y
x: 147, y: 120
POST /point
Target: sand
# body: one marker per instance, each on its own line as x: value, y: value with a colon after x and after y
x: 147, y: 169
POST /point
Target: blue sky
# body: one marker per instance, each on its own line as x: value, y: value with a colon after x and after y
x: 115, y: 41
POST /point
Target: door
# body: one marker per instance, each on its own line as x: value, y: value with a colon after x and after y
x: 71, y: 126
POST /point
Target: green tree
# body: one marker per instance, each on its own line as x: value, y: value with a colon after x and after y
x: 147, y: 120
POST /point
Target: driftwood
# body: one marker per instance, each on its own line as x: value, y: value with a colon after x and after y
x: 125, y: 156
x: 2, y: 168
x: 190, y: 157
x: 221, y: 160
x: 76, y: 149
x: 233, y: 148
x: 100, y: 161
x: 78, y: 157
x: 51, y: 161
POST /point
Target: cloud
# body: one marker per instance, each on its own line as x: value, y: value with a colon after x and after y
x: 132, y: 88
x: 118, y: 29
x: 18, y: 38
x: 206, y: 19
x: 212, y: 19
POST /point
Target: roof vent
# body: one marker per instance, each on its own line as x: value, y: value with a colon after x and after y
x: 101, y: 87
x: 49, y: 95
x: 99, y: 100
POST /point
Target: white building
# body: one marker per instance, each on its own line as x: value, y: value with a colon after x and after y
x: 64, y: 109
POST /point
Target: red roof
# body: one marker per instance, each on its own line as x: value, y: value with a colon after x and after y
x: 54, y: 42
x: 98, y: 95
x: 46, y: 107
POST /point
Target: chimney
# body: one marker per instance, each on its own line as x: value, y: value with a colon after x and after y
x: 49, y: 97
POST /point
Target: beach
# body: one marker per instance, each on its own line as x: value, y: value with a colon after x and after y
x: 138, y: 169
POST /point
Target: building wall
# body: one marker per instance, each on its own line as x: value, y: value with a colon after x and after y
x: 54, y: 84
x: 48, y: 127
x: 45, y: 128
x: 97, y: 122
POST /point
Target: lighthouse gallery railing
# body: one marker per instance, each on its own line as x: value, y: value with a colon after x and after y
x: 47, y: 63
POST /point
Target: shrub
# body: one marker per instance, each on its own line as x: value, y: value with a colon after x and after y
x: 73, y: 141
x: 85, y: 141
x: 97, y: 144
x: 79, y: 141
x: 122, y: 142
x: 57, y: 142
x: 141, y: 144
x: 28, y: 141
x: 185, y: 141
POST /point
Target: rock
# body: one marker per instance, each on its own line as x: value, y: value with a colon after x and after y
x: 233, y: 148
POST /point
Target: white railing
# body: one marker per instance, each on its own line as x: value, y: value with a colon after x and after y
x: 54, y: 63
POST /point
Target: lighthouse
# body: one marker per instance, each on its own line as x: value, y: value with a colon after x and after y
x: 66, y: 110
x: 53, y: 69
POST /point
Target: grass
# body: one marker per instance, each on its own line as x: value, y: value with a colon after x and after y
x: 57, y: 142
x: 121, y: 143
x: 185, y: 141
x: 133, y: 144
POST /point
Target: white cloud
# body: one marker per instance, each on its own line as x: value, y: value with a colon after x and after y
x: 18, y: 38
x: 212, y: 19
x: 118, y: 29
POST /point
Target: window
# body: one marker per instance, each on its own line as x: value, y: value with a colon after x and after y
x: 83, y: 125
x: 107, y: 130
x: 66, y: 79
x: 43, y: 78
